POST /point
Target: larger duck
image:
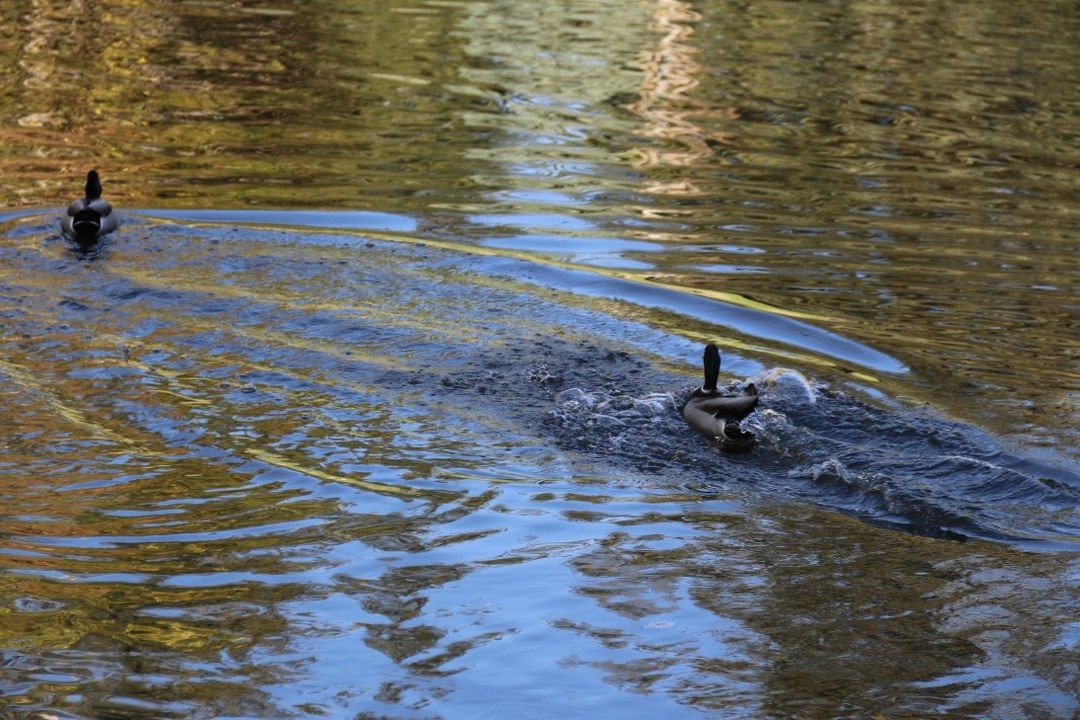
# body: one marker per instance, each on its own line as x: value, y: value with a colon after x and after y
x: 91, y: 217
x: 717, y: 416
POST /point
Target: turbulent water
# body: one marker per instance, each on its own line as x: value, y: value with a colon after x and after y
x: 370, y: 409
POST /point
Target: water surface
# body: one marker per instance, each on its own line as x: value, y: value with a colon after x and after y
x: 369, y: 409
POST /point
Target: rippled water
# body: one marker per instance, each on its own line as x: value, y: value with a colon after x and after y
x: 369, y: 410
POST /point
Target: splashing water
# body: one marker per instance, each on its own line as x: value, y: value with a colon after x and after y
x: 780, y: 379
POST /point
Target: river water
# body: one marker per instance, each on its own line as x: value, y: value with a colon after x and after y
x: 369, y: 408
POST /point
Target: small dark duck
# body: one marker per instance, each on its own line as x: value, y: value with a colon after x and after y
x: 717, y: 416
x: 90, y: 218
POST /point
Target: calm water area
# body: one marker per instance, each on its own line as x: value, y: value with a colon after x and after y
x: 369, y: 409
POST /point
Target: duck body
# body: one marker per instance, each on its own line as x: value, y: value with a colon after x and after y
x: 91, y: 217
x: 717, y: 416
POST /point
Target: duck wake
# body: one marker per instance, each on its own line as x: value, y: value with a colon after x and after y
x: 904, y: 469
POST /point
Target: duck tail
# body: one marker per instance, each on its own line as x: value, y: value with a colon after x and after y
x: 86, y: 223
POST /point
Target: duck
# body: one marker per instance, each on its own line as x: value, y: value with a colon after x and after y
x: 90, y: 218
x: 717, y: 416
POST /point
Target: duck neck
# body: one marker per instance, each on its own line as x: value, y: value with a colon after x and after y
x: 93, y: 186
x: 712, y: 368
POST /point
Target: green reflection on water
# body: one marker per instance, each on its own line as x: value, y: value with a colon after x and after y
x: 905, y: 171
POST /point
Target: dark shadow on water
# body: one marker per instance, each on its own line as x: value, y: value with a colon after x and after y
x: 906, y: 470
x: 87, y: 250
